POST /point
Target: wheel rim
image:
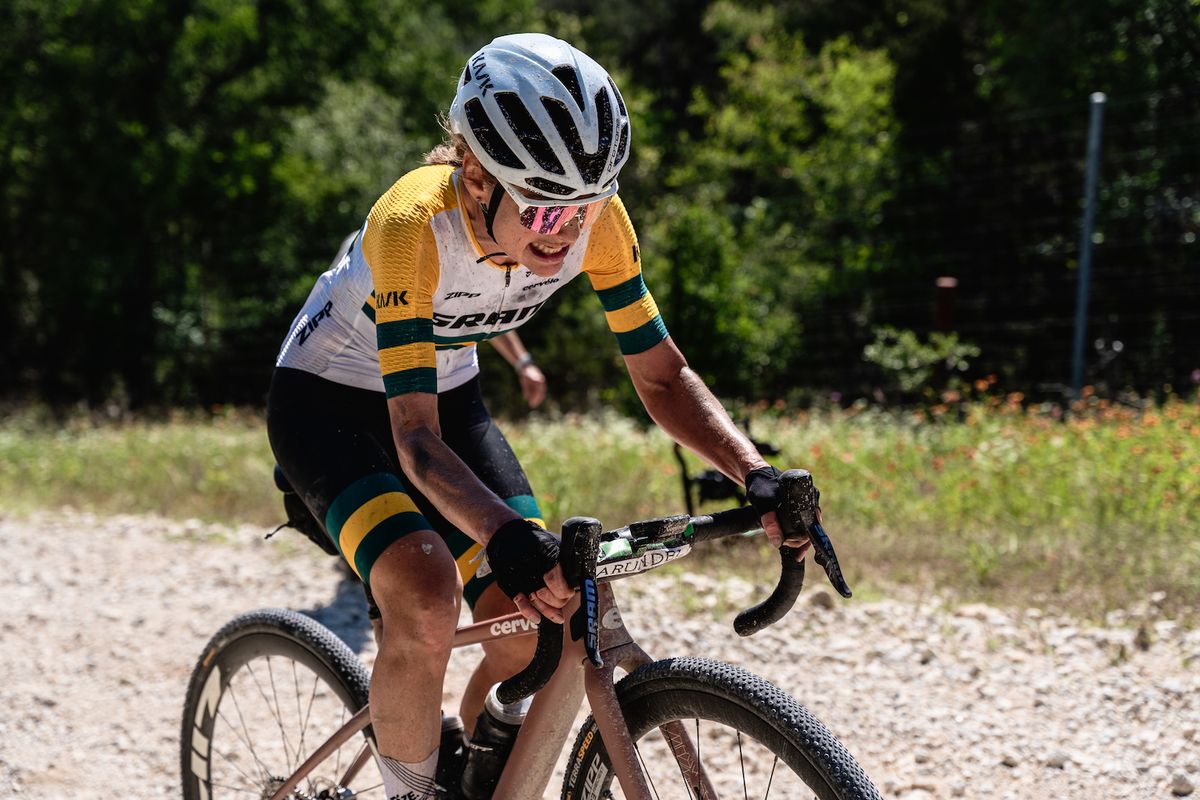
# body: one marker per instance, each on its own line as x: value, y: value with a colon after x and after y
x: 273, y: 711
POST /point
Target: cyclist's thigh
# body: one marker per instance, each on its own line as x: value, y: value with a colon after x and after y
x: 333, y: 443
x: 468, y: 429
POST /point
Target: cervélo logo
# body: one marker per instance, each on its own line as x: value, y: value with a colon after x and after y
x: 519, y: 625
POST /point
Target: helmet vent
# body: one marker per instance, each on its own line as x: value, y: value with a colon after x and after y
x: 549, y: 187
x: 590, y: 165
x: 466, y: 76
x: 620, y: 102
x: 523, y: 125
x: 489, y: 138
x: 571, y: 81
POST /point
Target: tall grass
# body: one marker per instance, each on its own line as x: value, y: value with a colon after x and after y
x: 985, y: 499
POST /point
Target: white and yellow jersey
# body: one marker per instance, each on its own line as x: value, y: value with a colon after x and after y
x: 404, y: 309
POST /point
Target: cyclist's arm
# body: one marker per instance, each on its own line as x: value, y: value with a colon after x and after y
x: 439, y: 473
x: 682, y: 405
x: 533, y: 382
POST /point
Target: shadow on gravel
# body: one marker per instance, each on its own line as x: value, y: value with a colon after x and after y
x: 346, y: 614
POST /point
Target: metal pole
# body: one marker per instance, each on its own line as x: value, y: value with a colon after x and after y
x: 1085, y: 240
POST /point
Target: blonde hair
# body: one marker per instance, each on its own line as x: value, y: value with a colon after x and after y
x: 451, y: 150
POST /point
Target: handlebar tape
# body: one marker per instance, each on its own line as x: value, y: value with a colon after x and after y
x: 773, y: 609
x: 577, y: 555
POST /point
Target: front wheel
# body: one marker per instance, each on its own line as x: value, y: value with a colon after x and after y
x: 704, y: 729
x: 270, y: 688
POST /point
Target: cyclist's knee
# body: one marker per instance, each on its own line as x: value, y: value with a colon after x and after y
x: 415, y: 585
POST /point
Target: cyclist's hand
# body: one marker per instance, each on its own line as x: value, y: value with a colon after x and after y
x: 548, y: 601
x: 762, y: 490
x: 533, y: 384
x: 524, y: 559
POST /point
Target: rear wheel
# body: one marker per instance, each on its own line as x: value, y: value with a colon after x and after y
x: 271, y: 687
x: 748, y: 738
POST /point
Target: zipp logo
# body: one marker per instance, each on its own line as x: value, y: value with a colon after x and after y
x: 456, y: 295
x: 209, y: 699
x: 593, y: 784
x: 521, y: 625
x: 307, y: 328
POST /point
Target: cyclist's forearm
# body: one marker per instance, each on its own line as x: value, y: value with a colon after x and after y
x: 449, y: 484
x: 682, y: 405
x: 510, y: 347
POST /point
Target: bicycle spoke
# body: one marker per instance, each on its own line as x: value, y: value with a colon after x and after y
x: 275, y: 696
x: 258, y: 762
x: 646, y: 772
x: 249, y: 778
x: 771, y: 778
x: 299, y: 714
x: 251, y: 792
x: 742, y: 760
x: 274, y: 711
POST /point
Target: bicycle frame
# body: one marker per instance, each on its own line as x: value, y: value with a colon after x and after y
x: 531, y: 764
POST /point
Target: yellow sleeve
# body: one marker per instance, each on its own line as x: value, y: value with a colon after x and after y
x: 402, y: 253
x: 613, y: 264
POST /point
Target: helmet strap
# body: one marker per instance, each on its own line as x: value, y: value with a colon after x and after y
x: 489, y: 210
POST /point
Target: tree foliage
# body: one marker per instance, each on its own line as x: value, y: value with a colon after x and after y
x: 173, y: 176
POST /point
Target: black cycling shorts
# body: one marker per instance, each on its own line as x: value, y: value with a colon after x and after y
x: 334, y: 444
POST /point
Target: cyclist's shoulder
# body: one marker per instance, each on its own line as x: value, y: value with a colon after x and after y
x: 612, y: 242
x: 416, y: 197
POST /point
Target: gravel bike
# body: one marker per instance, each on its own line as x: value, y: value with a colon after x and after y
x: 277, y: 705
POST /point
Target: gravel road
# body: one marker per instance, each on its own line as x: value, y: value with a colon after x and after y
x: 103, y: 617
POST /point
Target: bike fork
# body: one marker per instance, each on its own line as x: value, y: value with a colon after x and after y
x: 619, y: 649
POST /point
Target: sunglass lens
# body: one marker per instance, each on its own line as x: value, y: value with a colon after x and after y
x: 546, y: 220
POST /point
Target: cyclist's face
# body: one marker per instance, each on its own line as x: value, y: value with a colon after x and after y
x: 542, y: 254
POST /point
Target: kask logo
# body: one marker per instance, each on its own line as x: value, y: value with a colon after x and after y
x: 391, y: 299
x: 478, y: 68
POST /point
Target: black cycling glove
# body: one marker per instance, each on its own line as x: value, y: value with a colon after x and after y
x: 762, y: 489
x: 520, y: 553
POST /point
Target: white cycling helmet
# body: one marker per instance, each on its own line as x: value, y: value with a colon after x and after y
x: 541, y: 115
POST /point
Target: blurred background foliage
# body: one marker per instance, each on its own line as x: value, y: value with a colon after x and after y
x: 174, y: 175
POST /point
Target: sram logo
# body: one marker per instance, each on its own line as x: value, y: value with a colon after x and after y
x: 521, y: 625
x: 505, y: 316
x: 209, y: 699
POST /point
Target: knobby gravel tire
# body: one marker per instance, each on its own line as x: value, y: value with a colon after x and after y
x: 284, y: 641
x: 687, y: 689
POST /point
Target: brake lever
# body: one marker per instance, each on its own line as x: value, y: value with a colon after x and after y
x: 827, y: 559
x: 800, y: 501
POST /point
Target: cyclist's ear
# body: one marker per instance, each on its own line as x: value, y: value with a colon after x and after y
x: 477, y: 180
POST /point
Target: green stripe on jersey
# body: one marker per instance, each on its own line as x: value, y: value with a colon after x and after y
x: 642, y: 338
x: 418, y: 379
x: 623, y: 294
x: 402, y: 332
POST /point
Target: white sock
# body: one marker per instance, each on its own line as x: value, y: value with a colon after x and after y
x: 409, y: 781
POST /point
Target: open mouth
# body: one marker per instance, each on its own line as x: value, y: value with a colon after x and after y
x: 547, y: 251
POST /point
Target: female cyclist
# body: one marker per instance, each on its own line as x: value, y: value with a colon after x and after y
x: 374, y: 412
